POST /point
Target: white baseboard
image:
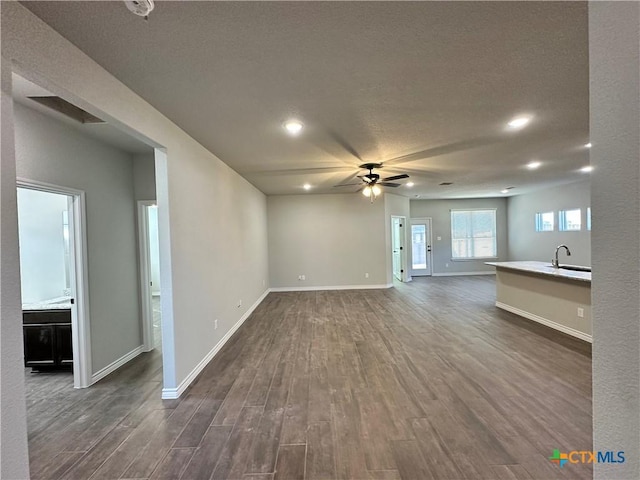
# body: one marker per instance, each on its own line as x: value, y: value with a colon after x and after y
x: 173, y: 393
x: 457, y: 274
x: 545, y: 321
x: 112, y: 367
x: 334, y: 287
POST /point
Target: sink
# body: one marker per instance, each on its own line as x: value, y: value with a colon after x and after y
x: 575, y: 268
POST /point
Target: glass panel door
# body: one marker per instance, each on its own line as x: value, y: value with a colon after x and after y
x: 421, y: 246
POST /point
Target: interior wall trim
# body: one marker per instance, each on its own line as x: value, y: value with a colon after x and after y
x: 113, y: 366
x: 545, y: 321
x: 457, y: 274
x: 334, y: 287
x: 173, y: 393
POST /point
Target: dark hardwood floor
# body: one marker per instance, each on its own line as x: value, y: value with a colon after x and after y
x: 425, y: 380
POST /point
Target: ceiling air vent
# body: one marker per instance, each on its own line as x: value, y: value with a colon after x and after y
x: 67, y: 109
x: 444, y: 184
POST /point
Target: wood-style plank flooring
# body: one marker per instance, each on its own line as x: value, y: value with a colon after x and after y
x: 425, y: 380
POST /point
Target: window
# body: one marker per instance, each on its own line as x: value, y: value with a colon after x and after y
x: 570, y: 220
x: 473, y: 234
x: 544, y: 222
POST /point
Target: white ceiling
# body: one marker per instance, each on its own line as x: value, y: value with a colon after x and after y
x: 426, y: 86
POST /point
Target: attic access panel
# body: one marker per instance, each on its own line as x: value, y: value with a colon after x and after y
x: 68, y: 109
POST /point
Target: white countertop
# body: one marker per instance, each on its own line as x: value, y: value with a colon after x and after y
x: 544, y: 268
x: 60, y: 303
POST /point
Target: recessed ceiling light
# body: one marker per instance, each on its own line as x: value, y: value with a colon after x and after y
x: 533, y: 165
x: 294, y: 127
x: 518, y: 123
x: 306, y: 186
x: 587, y: 169
x: 409, y: 184
x: 505, y: 190
x: 587, y: 145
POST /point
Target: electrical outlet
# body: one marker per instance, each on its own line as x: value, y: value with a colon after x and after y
x: 264, y: 283
x: 446, y: 265
x: 215, y: 324
x: 439, y: 238
x: 301, y: 277
x: 239, y: 303
x: 366, y: 275
x: 580, y: 312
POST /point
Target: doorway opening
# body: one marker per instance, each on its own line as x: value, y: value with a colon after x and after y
x: 150, y: 274
x: 398, y: 251
x: 55, y: 304
x: 421, y: 247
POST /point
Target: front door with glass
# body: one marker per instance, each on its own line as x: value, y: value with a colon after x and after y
x: 420, y: 246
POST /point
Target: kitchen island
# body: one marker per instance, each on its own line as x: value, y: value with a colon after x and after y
x: 556, y: 297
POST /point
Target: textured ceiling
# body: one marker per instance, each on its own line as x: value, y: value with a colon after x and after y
x: 425, y: 86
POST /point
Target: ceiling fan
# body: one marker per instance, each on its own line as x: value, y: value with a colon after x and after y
x: 370, y: 183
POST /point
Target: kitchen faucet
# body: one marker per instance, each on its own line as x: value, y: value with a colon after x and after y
x: 555, y: 262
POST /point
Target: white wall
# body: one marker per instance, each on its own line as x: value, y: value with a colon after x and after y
x: 50, y: 151
x: 42, y: 246
x: 440, y: 212
x: 614, y: 64
x: 213, y: 224
x: 527, y: 244
x: 331, y: 239
x: 144, y: 176
x: 14, y: 458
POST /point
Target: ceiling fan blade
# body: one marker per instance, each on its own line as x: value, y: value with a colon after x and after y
x: 395, y: 177
x: 388, y: 184
x: 298, y: 171
x: 444, y: 150
x: 347, y: 184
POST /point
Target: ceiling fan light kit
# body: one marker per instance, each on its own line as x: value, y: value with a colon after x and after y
x: 373, y: 182
x: 374, y: 190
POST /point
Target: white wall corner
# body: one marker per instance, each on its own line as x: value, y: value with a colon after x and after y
x: 112, y: 367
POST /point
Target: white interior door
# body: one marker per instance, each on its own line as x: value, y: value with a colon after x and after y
x: 421, y: 246
x: 397, y: 247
